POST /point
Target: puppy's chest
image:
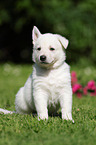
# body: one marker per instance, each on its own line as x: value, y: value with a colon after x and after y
x: 54, y: 84
x: 55, y: 80
x: 52, y: 81
x: 53, y: 90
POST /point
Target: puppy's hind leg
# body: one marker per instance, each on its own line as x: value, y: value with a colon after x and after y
x: 20, y: 103
x: 24, y: 103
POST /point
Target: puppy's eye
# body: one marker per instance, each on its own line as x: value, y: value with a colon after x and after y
x: 52, y: 49
x: 39, y: 48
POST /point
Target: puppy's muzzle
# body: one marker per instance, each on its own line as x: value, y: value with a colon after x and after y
x: 43, y: 58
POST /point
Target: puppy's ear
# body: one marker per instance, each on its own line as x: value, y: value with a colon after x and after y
x: 62, y: 40
x: 35, y: 34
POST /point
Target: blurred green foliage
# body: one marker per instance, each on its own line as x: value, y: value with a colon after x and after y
x: 74, y: 19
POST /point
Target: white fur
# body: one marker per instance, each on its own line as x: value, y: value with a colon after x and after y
x: 49, y: 86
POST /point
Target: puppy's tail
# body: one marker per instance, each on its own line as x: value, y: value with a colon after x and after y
x: 6, y: 111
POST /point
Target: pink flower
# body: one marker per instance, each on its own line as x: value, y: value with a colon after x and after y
x: 73, y: 74
x: 73, y: 78
x: 91, y: 85
x: 76, y: 87
x: 85, y: 90
x: 90, y: 88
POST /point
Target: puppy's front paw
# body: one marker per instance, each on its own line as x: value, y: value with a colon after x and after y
x: 42, y: 116
x: 67, y: 116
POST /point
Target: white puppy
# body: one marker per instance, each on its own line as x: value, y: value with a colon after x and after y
x: 49, y: 86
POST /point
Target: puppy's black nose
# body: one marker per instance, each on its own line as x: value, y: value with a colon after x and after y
x: 42, y: 57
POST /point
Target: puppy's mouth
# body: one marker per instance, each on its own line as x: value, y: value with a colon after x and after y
x: 43, y: 62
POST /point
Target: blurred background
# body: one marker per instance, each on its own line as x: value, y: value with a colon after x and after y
x: 74, y: 19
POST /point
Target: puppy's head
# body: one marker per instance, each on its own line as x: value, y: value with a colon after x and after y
x: 48, y: 49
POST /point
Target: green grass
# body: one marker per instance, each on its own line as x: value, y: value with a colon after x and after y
x: 18, y: 129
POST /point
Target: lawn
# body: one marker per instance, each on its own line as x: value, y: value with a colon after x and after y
x: 18, y: 129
